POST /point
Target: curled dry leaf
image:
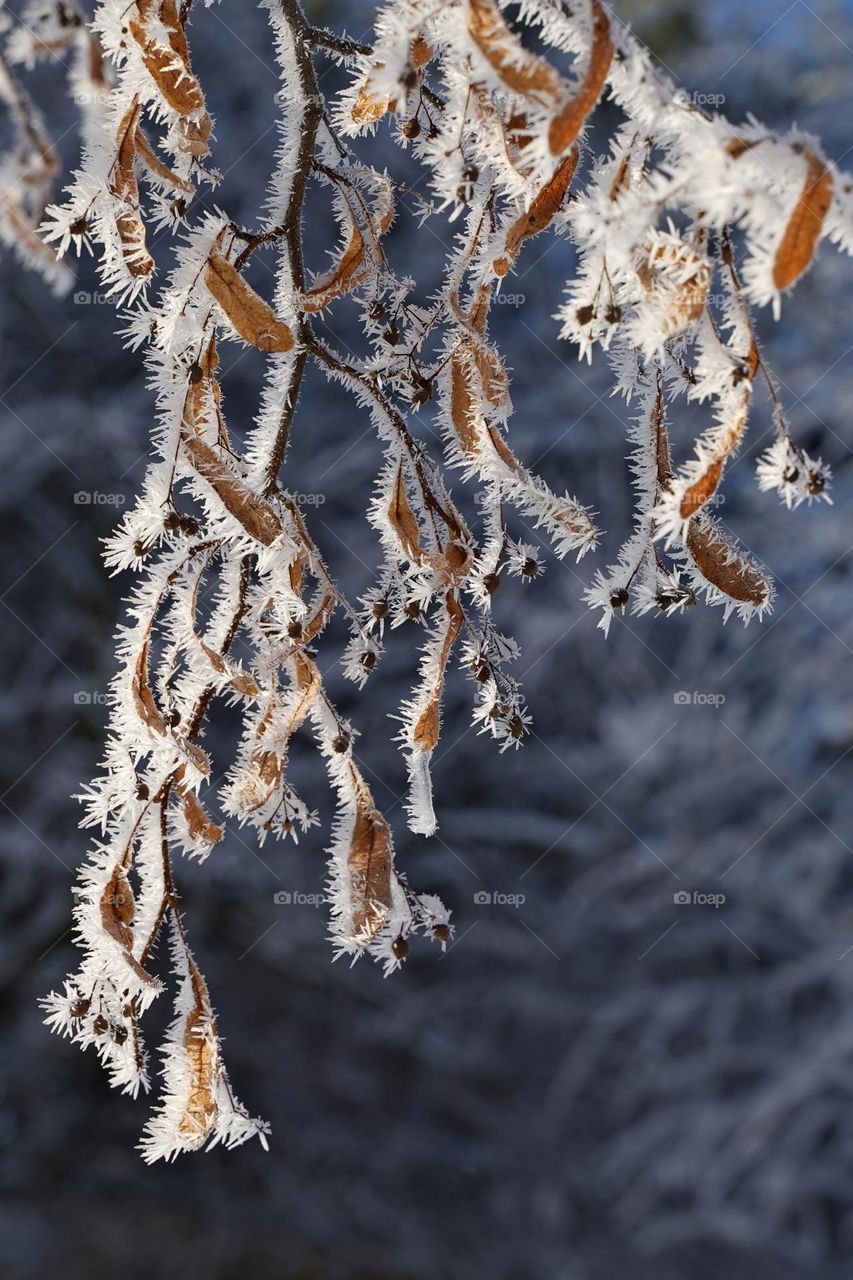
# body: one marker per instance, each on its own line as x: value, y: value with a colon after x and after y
x: 200, y: 824
x: 345, y: 275
x: 403, y: 519
x: 805, y: 226
x: 143, y: 698
x: 169, y: 67
x: 152, y: 162
x: 680, y: 275
x: 703, y: 489
x: 724, y: 567
x: 201, y: 1050
x: 118, y: 909
x: 369, y: 862
x: 428, y: 725
x: 569, y: 121
x: 252, y: 317
x: 545, y: 205
x: 253, y: 512
x: 124, y: 186
x: 370, y: 105
x: 523, y: 73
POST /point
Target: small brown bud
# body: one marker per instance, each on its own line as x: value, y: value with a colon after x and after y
x: 411, y: 129
x: 380, y: 609
x: 816, y: 483
x: 619, y: 598
x: 400, y: 947
x: 294, y: 629
x: 119, y: 1034
x: 392, y: 334
x: 491, y: 582
x: 341, y: 743
x: 530, y: 568
x: 142, y: 791
x: 441, y: 932
x: 173, y: 718
x: 368, y: 660
x: 80, y: 1008
x: 79, y: 227
x: 100, y: 1025
x: 585, y: 314
x: 516, y: 727
x: 613, y: 314
x: 412, y: 609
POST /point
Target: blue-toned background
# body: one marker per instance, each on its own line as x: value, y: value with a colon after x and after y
x: 592, y: 1083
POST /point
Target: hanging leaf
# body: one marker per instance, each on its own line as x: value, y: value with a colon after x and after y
x: 570, y: 120
x: 546, y: 204
x: 146, y: 707
x: 125, y: 188
x: 805, y: 226
x: 343, y: 277
x: 253, y: 319
x: 521, y: 72
x: 403, y: 520
x: 724, y: 567
x: 200, y: 825
x: 369, y: 863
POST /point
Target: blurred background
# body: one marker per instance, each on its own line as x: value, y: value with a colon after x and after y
x: 597, y: 1079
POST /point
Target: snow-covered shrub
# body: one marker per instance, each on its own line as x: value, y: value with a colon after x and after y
x: 680, y: 226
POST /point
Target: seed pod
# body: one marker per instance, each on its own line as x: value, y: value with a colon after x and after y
x: 254, y: 320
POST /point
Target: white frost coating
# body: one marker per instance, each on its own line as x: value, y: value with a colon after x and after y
x: 681, y: 225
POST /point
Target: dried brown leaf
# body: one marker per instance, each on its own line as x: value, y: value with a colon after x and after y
x: 345, y: 275
x: 129, y: 225
x: 254, y: 514
x: 252, y: 317
x: 403, y: 519
x: 805, y: 226
x: 543, y: 208
x: 569, y: 121
x: 199, y: 823
x: 370, y: 863
x: 724, y: 567
x: 523, y: 73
